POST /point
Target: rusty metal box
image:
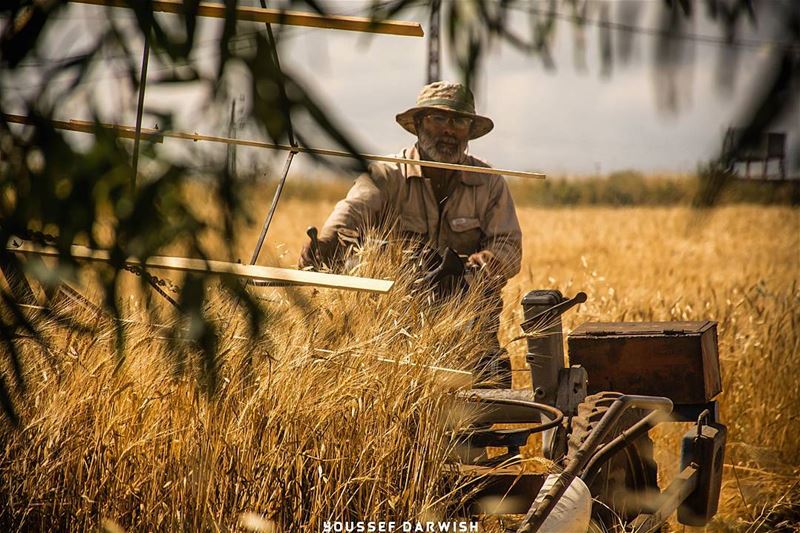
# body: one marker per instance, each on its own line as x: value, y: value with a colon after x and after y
x: 678, y: 360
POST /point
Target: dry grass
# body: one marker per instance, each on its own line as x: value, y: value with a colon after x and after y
x: 313, y: 420
x: 319, y: 427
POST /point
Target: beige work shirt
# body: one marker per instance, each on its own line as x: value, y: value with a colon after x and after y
x: 478, y: 215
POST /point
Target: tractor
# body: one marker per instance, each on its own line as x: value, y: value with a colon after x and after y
x: 594, y: 415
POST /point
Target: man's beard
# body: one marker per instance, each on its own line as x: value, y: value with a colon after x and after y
x: 445, y: 149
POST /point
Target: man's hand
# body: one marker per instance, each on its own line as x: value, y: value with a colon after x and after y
x: 307, y: 258
x: 324, y: 253
x: 482, y: 260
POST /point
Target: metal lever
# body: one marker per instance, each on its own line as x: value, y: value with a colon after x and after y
x: 554, y: 311
x: 313, y: 235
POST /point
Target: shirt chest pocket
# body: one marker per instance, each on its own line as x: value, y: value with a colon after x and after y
x: 465, y: 234
x: 413, y: 224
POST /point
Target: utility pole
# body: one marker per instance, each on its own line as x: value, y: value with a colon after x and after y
x: 231, y: 154
x: 140, y: 105
x: 434, y: 51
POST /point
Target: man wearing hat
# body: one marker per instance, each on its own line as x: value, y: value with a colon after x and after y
x: 469, y: 212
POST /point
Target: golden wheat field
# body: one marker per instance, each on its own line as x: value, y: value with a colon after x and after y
x: 334, y: 411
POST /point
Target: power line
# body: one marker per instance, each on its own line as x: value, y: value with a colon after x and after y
x: 657, y: 32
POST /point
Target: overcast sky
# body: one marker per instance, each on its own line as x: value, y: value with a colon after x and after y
x: 567, y: 120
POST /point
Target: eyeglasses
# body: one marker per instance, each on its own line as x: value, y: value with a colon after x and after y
x: 440, y: 119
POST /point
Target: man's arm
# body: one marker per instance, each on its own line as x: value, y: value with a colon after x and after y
x: 503, y: 238
x: 360, y: 209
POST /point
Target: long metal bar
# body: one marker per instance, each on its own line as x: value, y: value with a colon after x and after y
x: 203, y: 266
x: 278, y: 16
x: 282, y: 85
x: 290, y: 132
x: 340, y: 153
x: 505, y: 406
x: 84, y: 126
x: 230, y: 155
x: 140, y: 106
x: 490, y: 414
x: 538, y: 512
x: 271, y: 212
x: 621, y: 441
x: 137, y: 135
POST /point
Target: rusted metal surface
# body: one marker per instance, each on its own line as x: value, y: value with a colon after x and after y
x: 545, y: 355
x: 572, y: 389
x: 678, y: 360
x: 703, y: 446
x: 546, y: 316
x: 618, y: 443
x: 538, y: 512
x: 507, y: 406
x: 277, y: 16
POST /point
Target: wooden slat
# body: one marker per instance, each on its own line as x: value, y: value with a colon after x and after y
x: 277, y: 16
x: 252, y: 272
x: 84, y: 126
x: 156, y: 134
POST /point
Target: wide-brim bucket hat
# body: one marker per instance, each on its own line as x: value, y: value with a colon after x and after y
x: 446, y: 96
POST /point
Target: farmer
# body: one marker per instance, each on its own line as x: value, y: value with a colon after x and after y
x: 471, y: 213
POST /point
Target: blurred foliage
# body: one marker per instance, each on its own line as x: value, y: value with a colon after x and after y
x: 90, y: 195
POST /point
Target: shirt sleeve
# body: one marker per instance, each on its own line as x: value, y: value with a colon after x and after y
x: 362, y: 206
x: 503, y: 236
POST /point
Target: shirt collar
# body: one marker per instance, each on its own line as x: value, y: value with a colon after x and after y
x: 467, y: 178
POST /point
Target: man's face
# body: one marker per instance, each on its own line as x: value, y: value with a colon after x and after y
x: 443, y: 136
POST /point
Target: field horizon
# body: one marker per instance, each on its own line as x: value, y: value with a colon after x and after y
x: 623, y: 188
